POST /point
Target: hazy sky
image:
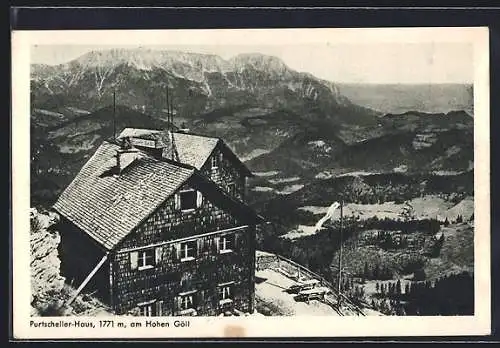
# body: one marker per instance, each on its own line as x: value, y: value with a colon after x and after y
x: 344, y: 62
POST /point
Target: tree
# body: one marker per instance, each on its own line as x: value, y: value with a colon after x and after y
x: 441, y: 239
x: 398, y: 288
x: 377, y: 287
x: 376, y: 271
x: 446, y: 223
x: 391, y: 289
x: 407, y: 213
x: 407, y: 289
x: 365, y: 271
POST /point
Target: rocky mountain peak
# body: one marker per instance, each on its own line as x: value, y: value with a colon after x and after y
x: 259, y: 61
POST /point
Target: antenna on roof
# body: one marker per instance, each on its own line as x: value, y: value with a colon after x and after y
x: 168, y: 111
x: 174, y: 155
x: 114, y: 115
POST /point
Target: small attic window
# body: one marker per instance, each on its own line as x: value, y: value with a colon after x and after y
x: 188, y: 200
x: 215, y: 162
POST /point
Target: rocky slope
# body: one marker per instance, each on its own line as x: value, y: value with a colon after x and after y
x: 48, y: 289
x: 45, y: 277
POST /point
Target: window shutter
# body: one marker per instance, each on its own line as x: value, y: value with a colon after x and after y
x: 199, y: 199
x: 199, y: 246
x: 216, y: 241
x: 134, y: 259
x: 177, y: 198
x: 237, y: 240
x: 176, y: 251
x: 178, y: 303
x: 159, y: 308
x: 158, y: 255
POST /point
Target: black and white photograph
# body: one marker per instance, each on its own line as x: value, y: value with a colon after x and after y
x: 222, y: 178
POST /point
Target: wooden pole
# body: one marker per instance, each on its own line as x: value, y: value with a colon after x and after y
x: 89, y: 277
x: 340, y: 251
x: 114, y: 115
x: 168, y: 110
x: 172, y: 112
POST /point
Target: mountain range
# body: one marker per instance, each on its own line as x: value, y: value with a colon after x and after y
x: 273, y: 117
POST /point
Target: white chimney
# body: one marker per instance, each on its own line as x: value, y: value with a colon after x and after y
x: 125, y: 155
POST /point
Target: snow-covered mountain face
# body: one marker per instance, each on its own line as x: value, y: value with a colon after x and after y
x: 199, y: 83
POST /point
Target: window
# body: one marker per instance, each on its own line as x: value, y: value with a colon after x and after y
x: 225, y: 293
x: 146, y: 310
x: 188, y: 250
x: 226, y: 243
x: 187, y: 302
x: 188, y: 200
x: 151, y: 308
x: 214, y: 162
x: 231, y: 188
x: 146, y: 258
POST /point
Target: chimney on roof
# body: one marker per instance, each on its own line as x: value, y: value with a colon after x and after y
x: 125, y: 155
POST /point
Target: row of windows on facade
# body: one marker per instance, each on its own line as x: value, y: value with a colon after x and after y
x: 186, y: 303
x: 185, y: 251
x: 191, y: 199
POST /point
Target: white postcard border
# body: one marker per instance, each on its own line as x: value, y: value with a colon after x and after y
x: 299, y: 326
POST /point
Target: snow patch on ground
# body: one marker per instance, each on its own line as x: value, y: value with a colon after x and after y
x: 423, y: 208
x: 284, y: 180
x: 266, y: 174
x: 290, y: 189
x: 78, y: 111
x: 453, y: 150
x: 326, y: 174
x: 262, y: 189
x: 446, y: 172
x: 401, y: 169
x: 464, y: 208
x: 253, y: 154
x: 49, y: 113
x: 272, y: 291
x: 300, y: 231
x: 74, y: 146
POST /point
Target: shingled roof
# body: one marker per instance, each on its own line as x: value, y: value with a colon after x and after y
x: 106, y: 206
x: 193, y: 150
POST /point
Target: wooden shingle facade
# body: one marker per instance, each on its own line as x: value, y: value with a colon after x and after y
x: 161, y: 233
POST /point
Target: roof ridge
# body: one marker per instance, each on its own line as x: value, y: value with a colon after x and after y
x: 199, y: 135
